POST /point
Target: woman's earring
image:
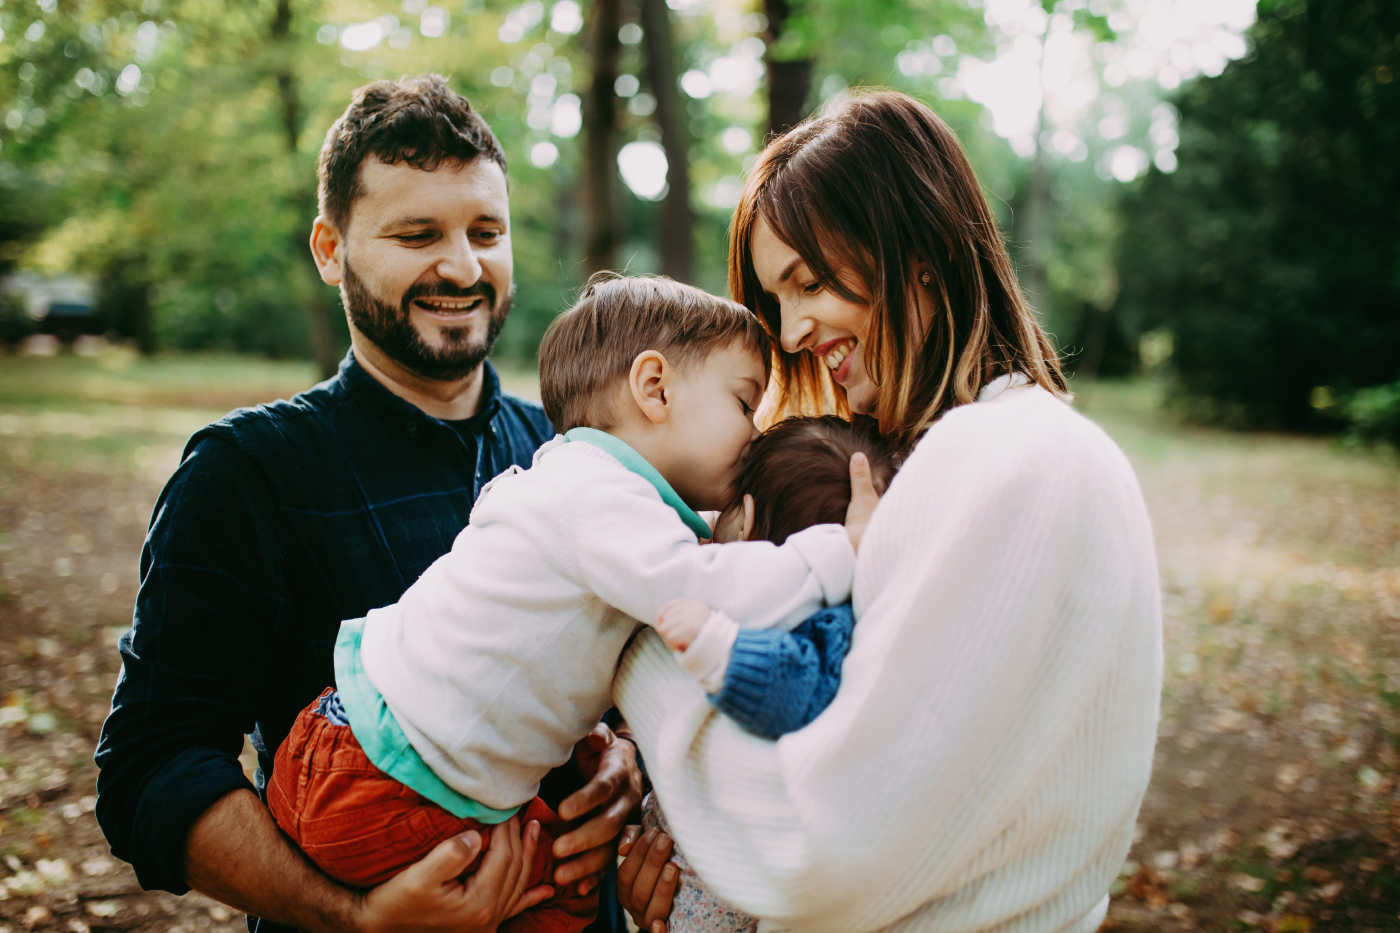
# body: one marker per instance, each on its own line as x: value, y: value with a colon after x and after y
x: 925, y: 278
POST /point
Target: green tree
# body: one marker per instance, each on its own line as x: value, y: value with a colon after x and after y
x: 1272, y: 255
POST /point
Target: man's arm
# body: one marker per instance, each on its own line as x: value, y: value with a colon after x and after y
x: 236, y: 854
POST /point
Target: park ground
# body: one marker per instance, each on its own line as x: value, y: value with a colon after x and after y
x: 1274, y: 804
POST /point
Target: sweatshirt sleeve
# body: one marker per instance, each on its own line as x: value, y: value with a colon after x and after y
x: 632, y: 551
x: 983, y: 761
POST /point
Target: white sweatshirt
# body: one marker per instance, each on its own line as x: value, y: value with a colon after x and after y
x: 501, y: 656
x: 982, y: 765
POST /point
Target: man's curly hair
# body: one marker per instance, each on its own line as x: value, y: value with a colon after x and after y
x: 418, y: 120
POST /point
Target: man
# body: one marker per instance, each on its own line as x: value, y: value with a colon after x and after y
x: 283, y: 520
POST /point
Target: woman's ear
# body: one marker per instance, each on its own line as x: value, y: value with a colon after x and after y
x: 748, y: 518
x: 649, y: 382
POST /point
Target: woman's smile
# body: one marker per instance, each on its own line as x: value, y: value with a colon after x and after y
x: 836, y: 354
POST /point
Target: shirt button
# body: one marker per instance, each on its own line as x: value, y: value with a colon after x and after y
x: 412, y: 427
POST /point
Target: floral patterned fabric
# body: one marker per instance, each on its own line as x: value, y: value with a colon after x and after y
x: 696, y: 909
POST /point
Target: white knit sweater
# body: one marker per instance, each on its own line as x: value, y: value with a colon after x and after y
x: 982, y: 765
x: 501, y: 656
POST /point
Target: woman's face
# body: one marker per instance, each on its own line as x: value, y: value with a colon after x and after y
x: 814, y: 318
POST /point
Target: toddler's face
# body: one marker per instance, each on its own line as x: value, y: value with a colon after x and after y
x: 711, y: 424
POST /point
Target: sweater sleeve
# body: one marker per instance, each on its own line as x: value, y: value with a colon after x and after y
x: 983, y: 761
x: 778, y: 682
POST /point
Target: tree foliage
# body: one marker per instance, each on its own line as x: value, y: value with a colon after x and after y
x: 1272, y: 255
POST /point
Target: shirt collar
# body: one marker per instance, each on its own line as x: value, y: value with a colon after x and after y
x: 358, y: 382
x: 624, y: 454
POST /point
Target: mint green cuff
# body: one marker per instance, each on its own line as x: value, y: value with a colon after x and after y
x: 380, y: 735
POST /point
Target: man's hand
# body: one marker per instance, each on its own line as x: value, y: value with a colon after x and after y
x: 430, y: 894
x: 646, y: 880
x: 864, y: 498
x: 613, y: 791
x: 236, y: 854
x: 680, y: 621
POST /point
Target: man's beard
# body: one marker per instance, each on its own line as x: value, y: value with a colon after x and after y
x: 391, y: 329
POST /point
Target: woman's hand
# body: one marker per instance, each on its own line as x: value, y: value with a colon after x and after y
x: 430, y: 894
x: 613, y: 791
x: 646, y: 881
x: 864, y: 498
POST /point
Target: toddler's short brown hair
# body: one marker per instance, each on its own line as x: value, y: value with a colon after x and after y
x: 798, y: 472
x: 592, y: 345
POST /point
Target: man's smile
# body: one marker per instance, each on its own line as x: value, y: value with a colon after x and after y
x: 448, y: 307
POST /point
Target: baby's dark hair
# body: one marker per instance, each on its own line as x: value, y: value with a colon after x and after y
x: 798, y: 472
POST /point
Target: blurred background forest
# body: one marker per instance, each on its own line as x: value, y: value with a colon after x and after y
x: 1202, y: 196
x: 1202, y: 187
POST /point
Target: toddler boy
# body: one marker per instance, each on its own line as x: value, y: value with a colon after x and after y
x: 452, y: 704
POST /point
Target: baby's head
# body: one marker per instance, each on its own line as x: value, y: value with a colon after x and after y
x: 797, y: 474
x: 672, y: 370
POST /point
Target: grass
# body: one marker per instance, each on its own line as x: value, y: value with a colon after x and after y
x: 124, y: 413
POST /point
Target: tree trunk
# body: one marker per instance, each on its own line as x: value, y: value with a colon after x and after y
x: 789, y: 82
x: 318, y: 310
x: 600, y: 144
x: 677, y: 218
x: 1037, y: 232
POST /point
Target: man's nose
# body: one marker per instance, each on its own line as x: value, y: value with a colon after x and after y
x: 459, y: 264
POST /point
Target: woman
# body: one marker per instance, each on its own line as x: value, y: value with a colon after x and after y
x: 982, y: 765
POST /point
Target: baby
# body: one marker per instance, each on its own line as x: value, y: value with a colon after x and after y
x: 452, y: 704
x: 770, y: 681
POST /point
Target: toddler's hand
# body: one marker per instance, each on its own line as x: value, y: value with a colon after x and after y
x: 680, y: 621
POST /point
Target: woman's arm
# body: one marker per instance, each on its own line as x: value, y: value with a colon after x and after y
x: 991, y: 740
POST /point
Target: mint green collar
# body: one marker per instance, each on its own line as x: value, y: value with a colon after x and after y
x: 638, y: 464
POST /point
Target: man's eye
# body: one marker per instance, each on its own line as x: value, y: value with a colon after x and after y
x: 414, y: 237
x: 489, y: 235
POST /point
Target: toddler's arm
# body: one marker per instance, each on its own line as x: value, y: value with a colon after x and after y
x: 769, y: 681
x: 630, y: 550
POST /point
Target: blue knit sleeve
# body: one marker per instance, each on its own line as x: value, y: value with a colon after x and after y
x: 778, y: 682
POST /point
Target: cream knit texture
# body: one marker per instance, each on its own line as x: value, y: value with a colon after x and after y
x: 500, y: 657
x: 982, y: 765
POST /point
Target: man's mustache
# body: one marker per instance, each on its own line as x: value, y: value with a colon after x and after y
x: 444, y: 289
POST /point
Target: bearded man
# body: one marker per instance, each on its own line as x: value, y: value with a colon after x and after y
x: 285, y: 519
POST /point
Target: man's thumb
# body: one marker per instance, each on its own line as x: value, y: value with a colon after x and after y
x: 451, y: 857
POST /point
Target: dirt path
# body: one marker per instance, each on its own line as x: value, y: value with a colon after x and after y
x: 1274, y: 803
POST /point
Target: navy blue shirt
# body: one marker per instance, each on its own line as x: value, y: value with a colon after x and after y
x: 281, y: 521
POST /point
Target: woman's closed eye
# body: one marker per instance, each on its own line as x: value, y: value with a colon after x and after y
x: 811, y: 288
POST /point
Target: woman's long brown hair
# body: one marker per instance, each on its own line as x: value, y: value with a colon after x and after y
x: 880, y: 189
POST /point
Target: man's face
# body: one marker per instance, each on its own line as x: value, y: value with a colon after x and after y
x: 426, y: 264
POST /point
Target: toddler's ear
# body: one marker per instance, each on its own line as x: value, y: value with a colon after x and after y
x: 648, y: 381
x: 748, y: 518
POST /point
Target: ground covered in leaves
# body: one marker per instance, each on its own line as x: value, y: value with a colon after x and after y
x: 1274, y: 805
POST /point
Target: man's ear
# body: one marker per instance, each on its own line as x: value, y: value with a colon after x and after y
x: 748, y: 518
x: 649, y: 381
x: 326, y: 249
